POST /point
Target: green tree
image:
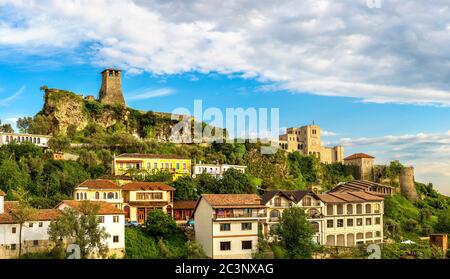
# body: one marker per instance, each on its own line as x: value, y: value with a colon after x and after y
x: 59, y: 143
x: 443, y: 223
x: 24, y: 124
x: 6, y: 128
x: 236, y: 182
x: 12, y: 177
x: 81, y: 226
x: 23, y: 212
x: 295, y: 234
x: 194, y: 250
x: 186, y: 188
x: 159, y: 224
x: 41, y: 125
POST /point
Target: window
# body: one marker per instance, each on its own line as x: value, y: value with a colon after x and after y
x: 14, y: 230
x: 149, y: 165
x: 349, y: 209
x: 368, y: 208
x: 359, y: 222
x: 376, y: 208
x: 247, y: 245
x: 116, y: 239
x: 278, y: 202
x: 116, y: 219
x: 340, y: 223
x: 368, y: 221
x: 377, y: 220
x: 101, y: 219
x: 35, y: 242
x: 30, y: 225
x: 110, y: 196
x: 330, y: 209
x: 246, y: 226
x: 307, y: 201
x: 78, y: 196
x: 41, y: 224
x: 149, y: 196
x: 225, y: 246
x: 378, y: 234
x: 340, y: 209
x: 97, y: 195
x: 178, y: 166
x: 225, y: 227
x: 13, y: 247
x: 330, y: 223
x: 155, y: 165
x: 349, y: 222
x: 121, y: 166
x: 359, y: 209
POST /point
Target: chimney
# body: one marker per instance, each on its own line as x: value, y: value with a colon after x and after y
x: 2, y: 202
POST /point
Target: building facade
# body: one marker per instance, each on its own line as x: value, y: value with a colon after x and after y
x: 111, y: 218
x: 182, y: 211
x: 364, y: 163
x: 307, y: 141
x: 38, y: 140
x: 366, y: 186
x: 215, y: 170
x: 140, y: 198
x: 125, y: 164
x: 99, y: 190
x: 226, y: 225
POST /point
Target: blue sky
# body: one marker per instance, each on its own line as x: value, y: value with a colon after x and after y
x: 376, y: 80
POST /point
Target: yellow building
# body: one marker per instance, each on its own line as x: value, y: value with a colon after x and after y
x: 307, y: 140
x: 125, y: 164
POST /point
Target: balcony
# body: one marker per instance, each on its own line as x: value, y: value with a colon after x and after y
x: 255, y: 215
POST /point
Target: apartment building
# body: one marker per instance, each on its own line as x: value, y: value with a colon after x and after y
x: 337, y: 218
x: 215, y: 169
x: 352, y: 218
x: 125, y: 164
x: 226, y: 225
x: 38, y: 140
x: 111, y: 218
x: 279, y: 200
x: 140, y: 198
x: 99, y: 190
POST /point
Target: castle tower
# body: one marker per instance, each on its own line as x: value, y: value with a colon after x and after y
x: 111, y: 90
x: 407, y: 185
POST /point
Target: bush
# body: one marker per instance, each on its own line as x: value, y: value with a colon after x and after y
x: 411, y: 225
x: 160, y: 224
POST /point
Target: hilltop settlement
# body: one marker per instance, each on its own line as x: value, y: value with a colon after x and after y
x: 92, y: 172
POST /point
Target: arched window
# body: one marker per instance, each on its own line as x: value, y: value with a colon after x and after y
x: 275, y: 214
x: 330, y: 209
x: 349, y: 208
x: 110, y: 196
x: 78, y: 196
x: 359, y: 209
x: 368, y: 208
x: 315, y: 226
x: 307, y: 201
x: 359, y: 236
x: 277, y: 201
x: 313, y: 213
x: 85, y: 196
x: 104, y: 196
x: 330, y: 240
x: 369, y: 235
x: 340, y: 209
x: 116, y: 195
x: 97, y: 195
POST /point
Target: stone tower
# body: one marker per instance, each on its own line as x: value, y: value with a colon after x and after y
x: 407, y: 185
x: 111, y: 90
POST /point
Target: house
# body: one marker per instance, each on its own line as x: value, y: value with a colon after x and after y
x: 352, y: 218
x: 307, y: 141
x: 34, y: 232
x: 182, y: 211
x: 364, y: 163
x: 279, y: 200
x: 125, y: 164
x: 111, y: 218
x: 226, y: 225
x: 215, y: 170
x: 99, y: 190
x: 366, y: 186
x: 38, y: 140
x: 140, y: 198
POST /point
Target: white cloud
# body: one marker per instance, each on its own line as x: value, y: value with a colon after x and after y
x: 428, y: 153
x: 395, y: 54
x: 150, y: 93
x: 328, y: 133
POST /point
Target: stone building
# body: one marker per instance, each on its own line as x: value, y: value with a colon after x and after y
x: 307, y: 140
x: 365, y: 164
x: 111, y: 89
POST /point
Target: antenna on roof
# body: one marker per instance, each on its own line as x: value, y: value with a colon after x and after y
x: 314, y: 122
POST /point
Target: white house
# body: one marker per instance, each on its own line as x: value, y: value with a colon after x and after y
x: 215, y: 170
x: 226, y: 225
x: 112, y: 219
x: 39, y: 140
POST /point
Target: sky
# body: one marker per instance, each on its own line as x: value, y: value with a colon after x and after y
x: 374, y: 74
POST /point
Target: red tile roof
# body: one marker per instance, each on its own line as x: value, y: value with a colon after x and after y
x: 184, y: 204
x: 233, y: 200
x: 348, y: 197
x: 147, y: 186
x: 151, y: 156
x: 99, y: 184
x: 105, y: 207
x: 359, y: 156
x: 39, y: 214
